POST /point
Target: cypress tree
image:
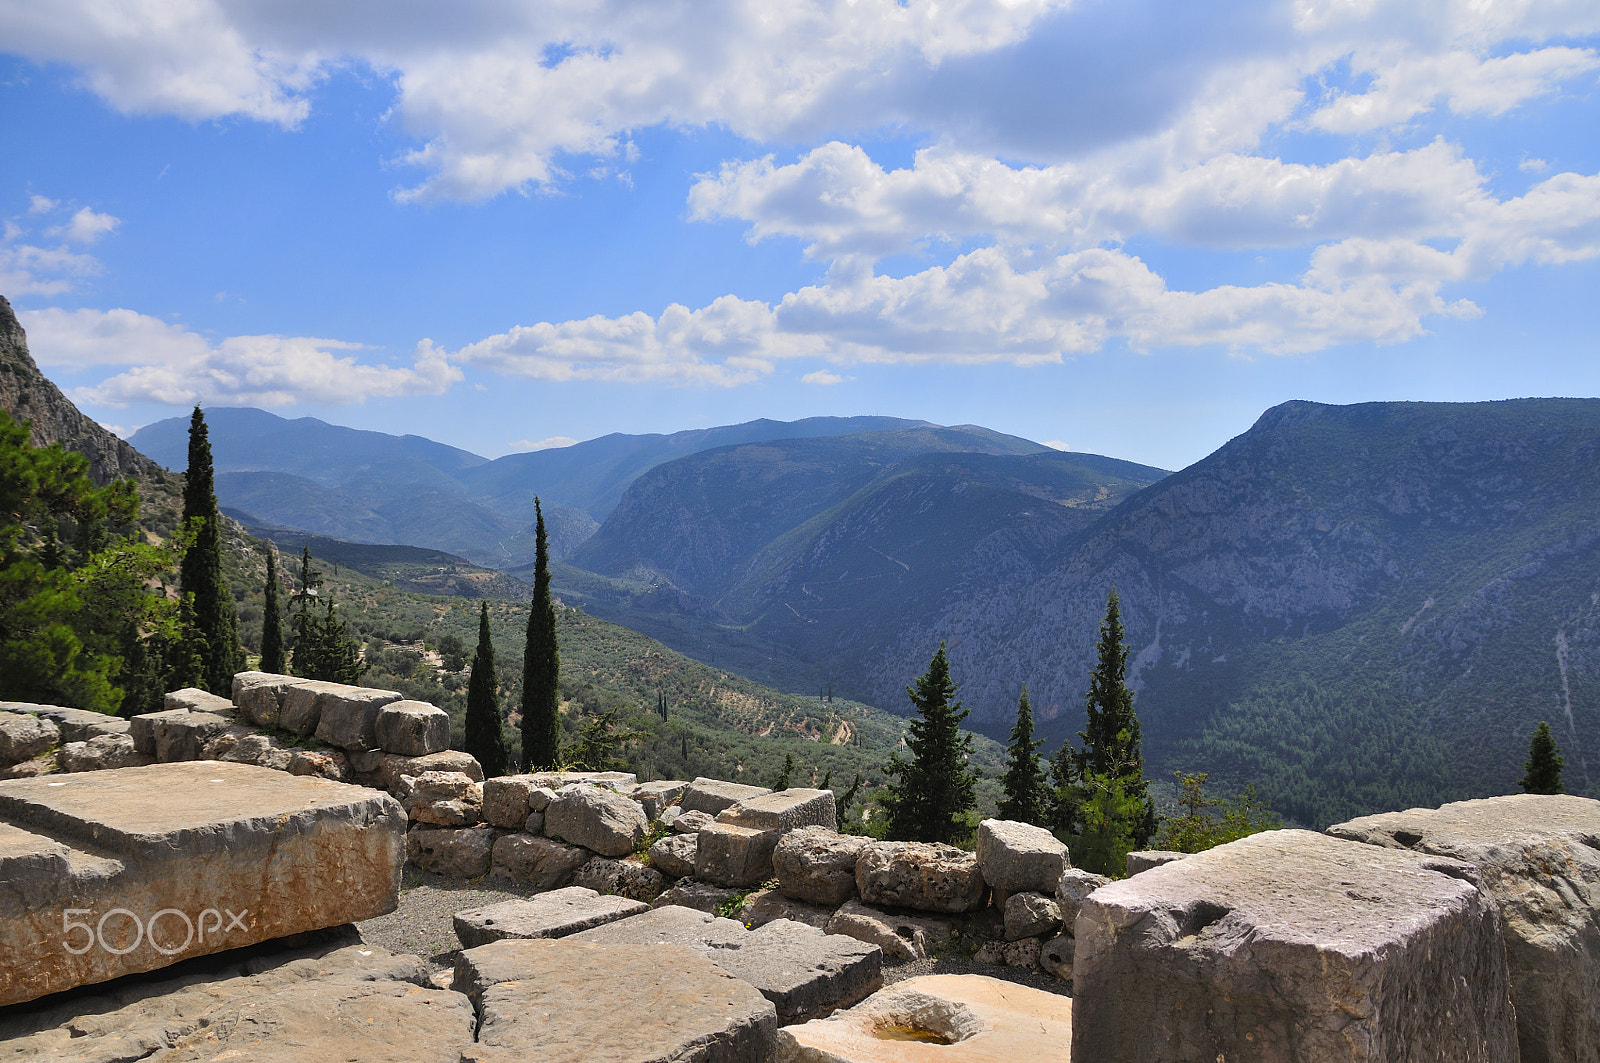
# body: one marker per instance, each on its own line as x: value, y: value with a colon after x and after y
x: 934, y: 793
x: 1542, y: 771
x: 272, y: 658
x: 1023, y: 782
x: 541, y: 665
x: 485, y: 739
x: 782, y: 782
x: 301, y: 621
x: 200, y: 573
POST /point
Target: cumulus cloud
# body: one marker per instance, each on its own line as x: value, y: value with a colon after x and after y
x: 86, y: 226
x: 824, y: 378
x: 173, y: 365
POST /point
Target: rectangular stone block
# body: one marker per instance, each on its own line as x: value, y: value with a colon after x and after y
x: 555, y: 914
x: 259, y: 696
x: 784, y: 810
x: 109, y: 873
x: 509, y: 799
x: 76, y: 725
x: 348, y: 716
x: 711, y: 796
x: 734, y: 856
x: 413, y: 728
x: 655, y: 796
x: 302, y: 705
x: 175, y: 734
x: 621, y: 781
x: 1292, y: 945
x: 196, y: 700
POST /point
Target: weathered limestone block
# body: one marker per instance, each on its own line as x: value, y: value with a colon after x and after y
x: 180, y: 846
x: 902, y: 938
x: 580, y: 1002
x: 463, y: 852
x: 393, y: 767
x: 655, y: 796
x: 347, y: 717
x: 1539, y: 860
x: 1148, y: 858
x: 691, y: 822
x: 600, y: 820
x: 175, y: 734
x: 817, y: 865
x: 734, y: 856
x: 100, y: 753
x: 24, y: 736
x: 765, y: 906
x: 1055, y: 956
x: 803, y: 971
x: 247, y: 747
x: 76, y: 725
x: 348, y: 1002
x: 621, y: 877
x: 669, y: 815
x: 510, y: 799
x: 444, y: 799
x: 968, y: 1017
x: 259, y: 696
x: 701, y: 896
x: 412, y: 728
x: 1031, y: 915
x: 324, y: 763
x: 1290, y: 944
x: 1020, y: 857
x: 1074, y: 886
x: 302, y: 705
x: 538, y: 862
x: 1023, y: 952
x: 196, y: 700
x: 555, y: 914
x: 621, y: 782
x: 711, y: 796
x: 927, y: 876
x: 673, y: 855
x: 784, y: 811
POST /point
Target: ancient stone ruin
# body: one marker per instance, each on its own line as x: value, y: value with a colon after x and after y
x: 705, y: 920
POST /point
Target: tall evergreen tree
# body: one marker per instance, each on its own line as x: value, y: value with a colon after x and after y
x: 272, y: 656
x: 934, y: 792
x: 541, y: 665
x: 1023, y: 783
x: 302, y: 623
x: 200, y: 573
x: 1542, y: 771
x: 486, y: 740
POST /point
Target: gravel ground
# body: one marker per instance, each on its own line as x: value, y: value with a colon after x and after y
x: 421, y: 926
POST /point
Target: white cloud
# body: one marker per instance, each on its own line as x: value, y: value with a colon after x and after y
x: 86, y: 227
x: 38, y: 204
x: 552, y: 443
x: 172, y: 365
x: 824, y: 378
x: 28, y: 269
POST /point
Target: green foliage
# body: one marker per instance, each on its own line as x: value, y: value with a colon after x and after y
x: 272, y: 650
x: 599, y: 739
x: 1023, y: 783
x: 933, y: 795
x: 200, y: 573
x: 452, y: 653
x: 485, y: 737
x: 541, y: 665
x: 1208, y: 821
x: 782, y: 781
x: 324, y: 648
x: 1542, y: 772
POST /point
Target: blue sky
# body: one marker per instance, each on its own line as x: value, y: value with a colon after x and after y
x: 1120, y: 227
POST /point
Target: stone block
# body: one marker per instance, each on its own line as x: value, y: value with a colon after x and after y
x: 1540, y: 858
x: 462, y: 852
x: 246, y: 747
x: 766, y: 906
x: 348, y: 717
x: 700, y: 896
x: 301, y: 705
x: 673, y: 855
x: 579, y: 1002
x: 1031, y: 915
x: 1293, y: 945
x: 175, y: 734
x: 903, y: 938
x: 175, y: 847
x: 691, y: 822
x: 324, y: 763
x: 259, y: 696
x: 623, y: 878
x: 509, y: 799
x: 655, y: 796
x: 100, y: 753
x: 392, y: 766
x: 1020, y: 857
x: 927, y: 876
x: 24, y: 736
x: 534, y: 824
x: 196, y: 700
x: 734, y: 856
x: 669, y: 815
x: 960, y: 1018
x: 621, y: 782
x: 555, y: 914
x: 817, y: 865
x: 600, y: 820
x: 412, y: 728
x: 783, y: 811
x: 1144, y: 860
x: 76, y: 725
x: 1055, y: 956
x: 1075, y: 885
x: 444, y: 799
x: 538, y: 862
x: 711, y: 796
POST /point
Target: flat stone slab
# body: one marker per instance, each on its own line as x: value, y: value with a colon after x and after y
x: 711, y: 796
x: 107, y: 873
x: 571, y: 1001
x: 76, y: 725
x: 547, y: 915
x: 962, y: 1018
x: 1293, y: 945
x: 1540, y: 859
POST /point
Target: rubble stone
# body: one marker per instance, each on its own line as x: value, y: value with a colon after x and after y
x: 445, y: 799
x: 1075, y: 885
x: 76, y: 725
x: 1148, y: 858
x: 600, y: 820
x: 1031, y: 915
x: 903, y: 938
x: 100, y: 753
x: 927, y: 876
x: 538, y: 862
x: 701, y: 896
x: 673, y: 855
x: 196, y: 700
x: 392, y: 766
x: 508, y: 799
x: 1056, y: 954
x: 817, y: 865
x: 765, y: 906
x: 175, y: 734
x: 623, y: 878
x: 783, y: 811
x: 655, y: 796
x: 348, y: 717
x: 24, y: 736
x: 691, y: 822
x: 734, y: 856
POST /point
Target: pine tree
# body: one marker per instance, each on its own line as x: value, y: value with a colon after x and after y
x: 1542, y: 771
x: 934, y: 793
x: 200, y: 573
x: 272, y: 656
x: 541, y: 665
x: 486, y: 739
x: 1023, y: 783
